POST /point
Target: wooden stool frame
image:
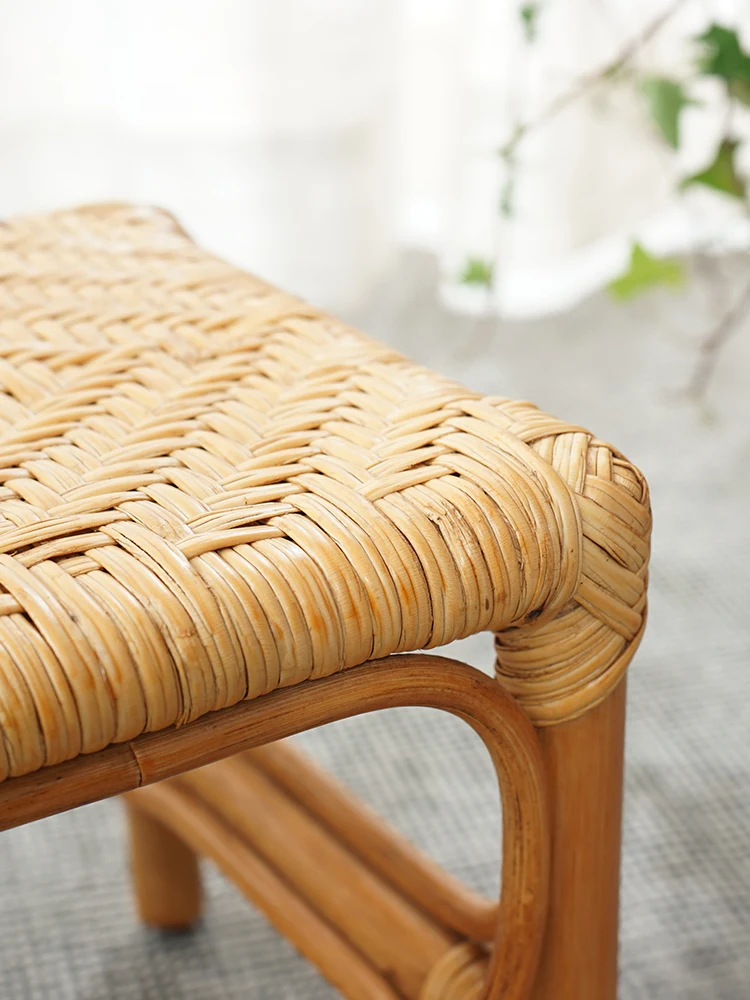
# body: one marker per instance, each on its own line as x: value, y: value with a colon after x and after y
x: 554, y: 932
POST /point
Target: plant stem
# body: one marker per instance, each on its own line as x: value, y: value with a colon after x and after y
x: 588, y: 80
x: 712, y: 344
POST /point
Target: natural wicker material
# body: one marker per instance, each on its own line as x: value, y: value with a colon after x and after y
x: 213, y: 493
x: 211, y: 490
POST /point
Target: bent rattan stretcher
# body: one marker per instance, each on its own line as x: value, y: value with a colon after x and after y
x: 222, y: 512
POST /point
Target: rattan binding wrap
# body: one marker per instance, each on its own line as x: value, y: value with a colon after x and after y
x: 210, y: 489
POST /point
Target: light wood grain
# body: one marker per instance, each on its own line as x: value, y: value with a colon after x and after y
x: 77, y: 782
x: 165, y: 874
x: 585, y: 763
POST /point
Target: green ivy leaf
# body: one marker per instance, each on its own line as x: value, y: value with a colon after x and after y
x: 721, y: 175
x: 477, y: 272
x: 666, y: 99
x: 723, y: 56
x: 529, y: 14
x: 644, y: 272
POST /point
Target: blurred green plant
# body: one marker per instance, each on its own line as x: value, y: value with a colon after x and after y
x: 529, y: 15
x: 719, y: 54
x: 666, y: 99
x: 723, y: 56
x: 721, y: 174
x: 646, y: 271
x: 477, y: 272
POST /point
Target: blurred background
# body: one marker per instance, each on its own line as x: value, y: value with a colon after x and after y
x: 547, y: 200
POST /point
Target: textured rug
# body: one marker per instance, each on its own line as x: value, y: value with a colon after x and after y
x: 67, y: 930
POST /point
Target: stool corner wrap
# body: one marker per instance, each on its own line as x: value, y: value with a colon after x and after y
x: 560, y: 668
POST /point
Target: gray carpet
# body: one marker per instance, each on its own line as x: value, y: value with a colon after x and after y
x: 67, y: 931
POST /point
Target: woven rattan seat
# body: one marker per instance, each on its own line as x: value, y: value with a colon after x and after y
x: 212, y: 494
x: 210, y: 490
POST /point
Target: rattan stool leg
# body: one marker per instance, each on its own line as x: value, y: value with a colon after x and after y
x: 166, y: 876
x: 585, y: 764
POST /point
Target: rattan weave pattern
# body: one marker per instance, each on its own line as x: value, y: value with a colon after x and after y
x: 210, y: 489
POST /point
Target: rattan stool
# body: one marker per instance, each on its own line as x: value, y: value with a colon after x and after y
x: 221, y: 514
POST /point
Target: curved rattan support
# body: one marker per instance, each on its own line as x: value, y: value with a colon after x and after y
x: 424, y: 680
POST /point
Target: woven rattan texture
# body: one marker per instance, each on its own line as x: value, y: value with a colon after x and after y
x: 210, y: 489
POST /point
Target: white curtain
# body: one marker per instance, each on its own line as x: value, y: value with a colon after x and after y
x: 309, y: 140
